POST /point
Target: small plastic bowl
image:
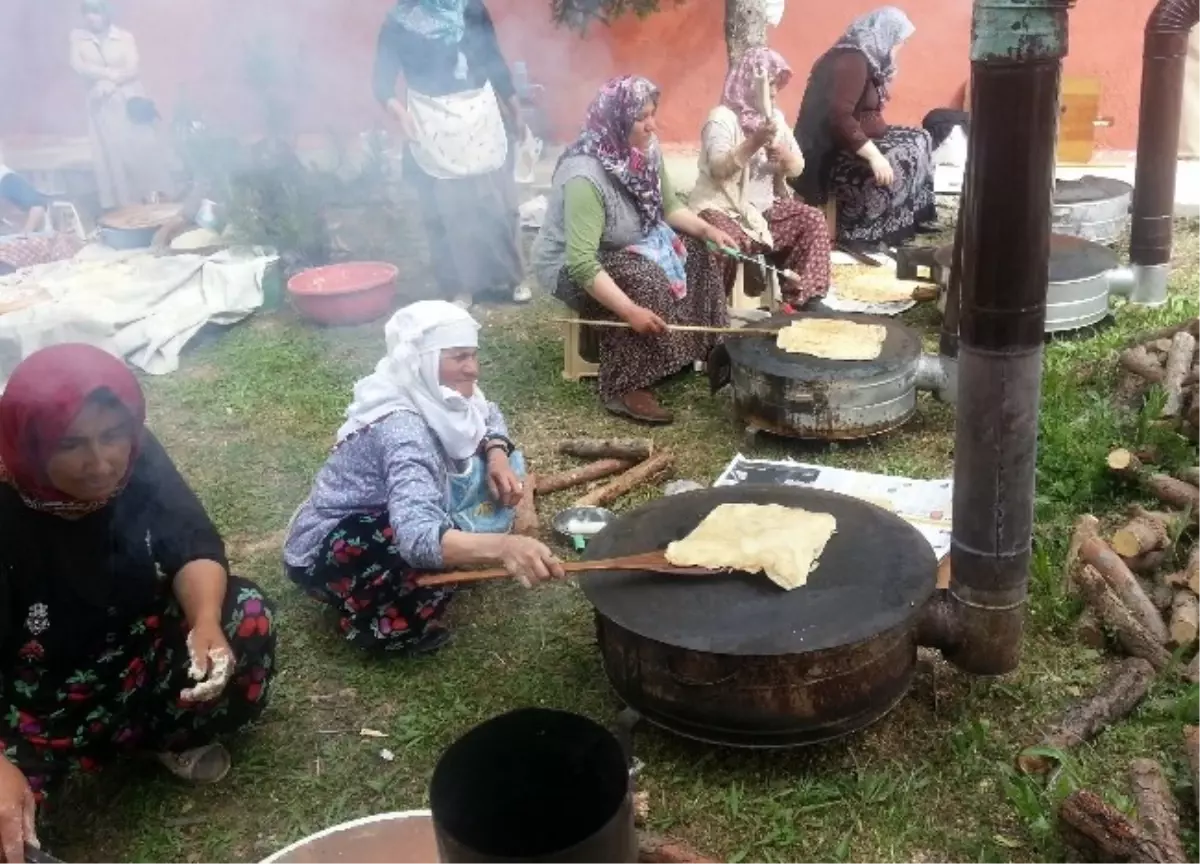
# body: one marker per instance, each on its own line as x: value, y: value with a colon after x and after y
x: 352, y: 293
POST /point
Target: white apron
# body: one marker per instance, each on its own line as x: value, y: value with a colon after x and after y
x: 459, y: 135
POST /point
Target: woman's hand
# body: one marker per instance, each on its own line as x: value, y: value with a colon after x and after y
x: 645, y: 322
x: 529, y: 561
x: 713, y: 234
x: 17, y: 812
x: 211, y: 661
x: 504, y: 485
x: 882, y: 169
x: 763, y: 136
x: 103, y: 88
x: 408, y: 129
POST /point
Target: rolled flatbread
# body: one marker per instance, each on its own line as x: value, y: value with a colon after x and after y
x: 783, y: 542
x: 875, y: 285
x: 832, y: 339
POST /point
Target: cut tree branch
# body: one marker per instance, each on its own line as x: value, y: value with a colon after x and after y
x: 1134, y: 638
x: 1118, y: 694
x: 1156, y: 808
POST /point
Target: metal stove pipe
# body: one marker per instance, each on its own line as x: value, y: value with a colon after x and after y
x: 1163, y: 58
x: 1017, y: 48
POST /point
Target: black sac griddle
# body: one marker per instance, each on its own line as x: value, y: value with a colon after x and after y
x: 736, y: 660
x: 798, y: 396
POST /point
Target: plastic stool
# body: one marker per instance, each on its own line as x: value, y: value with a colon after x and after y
x: 575, y: 367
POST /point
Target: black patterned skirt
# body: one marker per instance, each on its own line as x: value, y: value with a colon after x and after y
x: 872, y: 214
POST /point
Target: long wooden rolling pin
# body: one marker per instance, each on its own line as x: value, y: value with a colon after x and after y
x: 655, y: 562
x: 677, y: 328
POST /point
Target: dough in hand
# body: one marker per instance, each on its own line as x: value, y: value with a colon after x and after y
x: 783, y: 542
x: 832, y: 339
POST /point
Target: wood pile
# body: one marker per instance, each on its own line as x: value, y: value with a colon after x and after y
x: 633, y: 460
x: 1140, y: 584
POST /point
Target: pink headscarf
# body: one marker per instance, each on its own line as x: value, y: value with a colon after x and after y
x: 741, y: 93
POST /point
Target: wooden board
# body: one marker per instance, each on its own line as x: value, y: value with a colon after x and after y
x: 1079, y: 106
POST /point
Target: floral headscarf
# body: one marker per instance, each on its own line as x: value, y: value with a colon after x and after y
x: 605, y: 137
x: 875, y: 35
x: 741, y: 85
x: 442, y: 20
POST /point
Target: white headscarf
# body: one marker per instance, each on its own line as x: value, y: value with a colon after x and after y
x: 406, y: 379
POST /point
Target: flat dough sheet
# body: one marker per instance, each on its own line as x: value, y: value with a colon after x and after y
x: 832, y: 339
x: 783, y: 542
x: 875, y: 285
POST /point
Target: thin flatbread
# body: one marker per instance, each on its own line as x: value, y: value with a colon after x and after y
x: 832, y: 339
x: 784, y: 542
x: 875, y: 285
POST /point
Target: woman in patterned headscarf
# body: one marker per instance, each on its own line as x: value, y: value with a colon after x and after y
x: 746, y: 157
x: 609, y: 248
x: 880, y: 175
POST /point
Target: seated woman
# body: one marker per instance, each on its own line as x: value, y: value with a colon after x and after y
x: 608, y: 249
x: 122, y: 628
x: 880, y: 175
x: 423, y: 477
x: 745, y: 159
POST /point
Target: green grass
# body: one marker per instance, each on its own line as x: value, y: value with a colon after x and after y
x: 249, y: 419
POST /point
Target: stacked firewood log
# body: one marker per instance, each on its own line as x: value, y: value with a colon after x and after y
x: 1140, y: 583
x: 632, y: 460
x: 1168, y: 358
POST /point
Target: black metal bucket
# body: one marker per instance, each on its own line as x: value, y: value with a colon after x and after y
x: 534, y: 785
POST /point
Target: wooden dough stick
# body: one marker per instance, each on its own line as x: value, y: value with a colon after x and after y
x: 550, y: 483
x: 1116, y: 696
x: 1132, y: 635
x: 1179, y: 360
x: 629, y: 449
x: 1157, y: 816
x: 651, y: 469
x: 525, y: 522
x: 1124, y: 584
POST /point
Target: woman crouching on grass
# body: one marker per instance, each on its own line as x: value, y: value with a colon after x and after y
x: 423, y: 477
x: 120, y: 626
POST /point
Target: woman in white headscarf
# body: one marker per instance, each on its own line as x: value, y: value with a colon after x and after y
x: 423, y: 477
x: 880, y: 175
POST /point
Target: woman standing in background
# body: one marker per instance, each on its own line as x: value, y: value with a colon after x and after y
x: 130, y: 164
x: 458, y: 89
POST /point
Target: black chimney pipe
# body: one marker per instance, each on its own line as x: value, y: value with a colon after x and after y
x: 1163, y: 59
x: 1017, y: 48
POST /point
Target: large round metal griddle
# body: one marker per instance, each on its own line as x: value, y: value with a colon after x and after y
x: 1094, y: 208
x: 801, y: 396
x: 734, y: 659
x: 1079, y: 281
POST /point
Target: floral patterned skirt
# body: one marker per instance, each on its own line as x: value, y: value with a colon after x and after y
x: 127, y: 698
x: 360, y: 574
x: 869, y: 213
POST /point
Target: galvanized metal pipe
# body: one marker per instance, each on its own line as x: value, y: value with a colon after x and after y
x: 1163, y: 59
x: 1017, y: 48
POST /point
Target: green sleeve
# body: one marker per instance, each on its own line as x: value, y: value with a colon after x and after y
x: 583, y: 214
x: 670, y: 200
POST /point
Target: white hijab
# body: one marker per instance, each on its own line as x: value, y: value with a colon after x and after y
x: 406, y: 379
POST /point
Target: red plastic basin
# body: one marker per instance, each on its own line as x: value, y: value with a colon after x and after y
x: 352, y: 293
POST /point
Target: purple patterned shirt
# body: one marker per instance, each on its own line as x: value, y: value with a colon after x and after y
x: 396, y: 464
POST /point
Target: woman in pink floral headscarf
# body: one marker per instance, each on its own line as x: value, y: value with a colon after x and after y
x: 746, y: 158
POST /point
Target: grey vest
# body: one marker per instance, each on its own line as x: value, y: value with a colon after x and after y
x: 622, y: 225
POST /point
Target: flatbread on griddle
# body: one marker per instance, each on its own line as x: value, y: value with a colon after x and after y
x: 783, y: 542
x: 832, y: 339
